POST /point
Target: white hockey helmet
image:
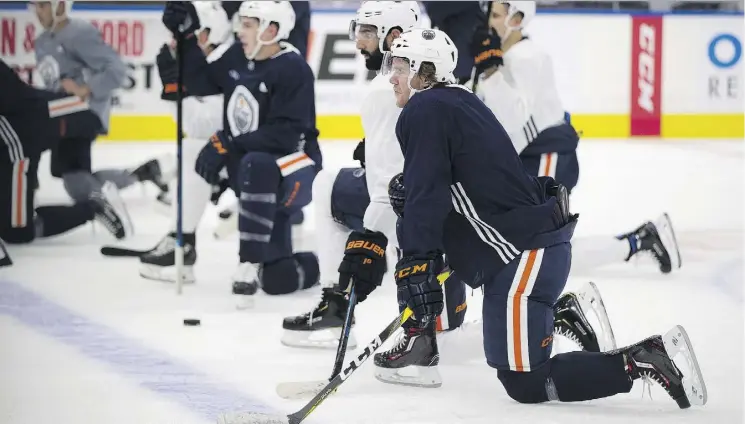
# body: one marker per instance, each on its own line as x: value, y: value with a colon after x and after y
x: 384, y: 15
x: 528, y: 10
x: 213, y: 17
x: 424, y: 45
x: 279, y: 12
x: 66, y: 8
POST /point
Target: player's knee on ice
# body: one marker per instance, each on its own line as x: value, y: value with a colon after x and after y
x: 288, y: 275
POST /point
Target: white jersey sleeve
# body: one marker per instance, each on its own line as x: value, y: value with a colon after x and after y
x: 383, y: 156
x: 523, y: 93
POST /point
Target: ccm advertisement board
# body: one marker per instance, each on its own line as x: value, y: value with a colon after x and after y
x: 650, y: 75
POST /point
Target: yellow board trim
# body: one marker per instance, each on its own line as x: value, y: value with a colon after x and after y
x: 348, y: 127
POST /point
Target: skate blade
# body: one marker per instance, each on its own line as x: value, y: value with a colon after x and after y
x: 111, y: 194
x: 415, y: 376
x: 327, y: 338
x: 677, y: 342
x: 251, y: 418
x: 300, y: 389
x: 166, y: 274
x: 590, y: 300
x: 667, y: 234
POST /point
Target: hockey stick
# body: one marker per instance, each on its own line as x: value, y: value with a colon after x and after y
x: 179, y: 249
x: 302, y: 389
x: 122, y: 252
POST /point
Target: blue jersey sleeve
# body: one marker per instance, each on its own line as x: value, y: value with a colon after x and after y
x: 203, y: 78
x: 423, y: 133
x: 291, y: 114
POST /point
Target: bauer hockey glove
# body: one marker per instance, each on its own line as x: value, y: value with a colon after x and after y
x: 180, y: 17
x: 168, y: 72
x: 364, y: 262
x: 397, y: 194
x: 418, y: 288
x: 213, y: 157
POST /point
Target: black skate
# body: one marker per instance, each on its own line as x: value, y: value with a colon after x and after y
x: 657, y: 238
x: 246, y: 283
x: 652, y: 359
x: 570, y: 321
x: 321, y: 327
x: 413, y: 360
x: 150, y: 171
x: 160, y: 263
x: 109, y: 210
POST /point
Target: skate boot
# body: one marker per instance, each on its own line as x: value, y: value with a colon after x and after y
x: 657, y: 238
x: 160, y: 263
x: 150, y: 171
x: 570, y: 321
x: 109, y: 210
x: 246, y: 283
x: 413, y: 360
x: 321, y: 327
x: 649, y: 360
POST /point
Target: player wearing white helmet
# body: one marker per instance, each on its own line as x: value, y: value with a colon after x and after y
x: 468, y: 196
x: 352, y: 203
x: 268, y: 144
x: 524, y: 96
x: 202, y: 113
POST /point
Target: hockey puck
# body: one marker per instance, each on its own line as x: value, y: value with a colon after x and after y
x: 192, y: 322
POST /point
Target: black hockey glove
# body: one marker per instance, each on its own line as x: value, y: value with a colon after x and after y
x: 180, y: 17
x: 364, y: 261
x: 168, y: 71
x: 486, y: 49
x: 418, y: 288
x: 359, y: 153
x: 397, y: 194
x: 213, y: 157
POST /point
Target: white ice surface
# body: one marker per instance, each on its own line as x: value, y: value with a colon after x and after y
x: 83, y: 339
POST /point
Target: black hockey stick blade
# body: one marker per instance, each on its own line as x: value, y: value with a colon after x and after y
x: 304, y: 389
x: 122, y: 252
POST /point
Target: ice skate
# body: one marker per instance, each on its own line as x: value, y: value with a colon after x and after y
x: 151, y: 171
x: 413, y: 360
x: 160, y: 263
x: 574, y: 314
x: 321, y: 327
x: 109, y: 210
x: 657, y: 238
x: 652, y: 360
x: 246, y: 284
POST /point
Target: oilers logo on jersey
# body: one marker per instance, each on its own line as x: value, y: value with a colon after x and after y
x: 49, y: 71
x: 242, y: 111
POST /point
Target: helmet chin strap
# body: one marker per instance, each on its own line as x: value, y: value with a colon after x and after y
x: 259, y: 42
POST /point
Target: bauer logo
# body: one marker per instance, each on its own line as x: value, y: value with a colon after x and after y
x: 646, y: 75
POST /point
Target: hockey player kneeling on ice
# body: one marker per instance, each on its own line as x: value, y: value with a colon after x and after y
x: 468, y: 196
x: 353, y: 200
x: 80, y: 73
x: 519, y: 86
x: 203, y: 112
x: 26, y: 131
x: 269, y: 140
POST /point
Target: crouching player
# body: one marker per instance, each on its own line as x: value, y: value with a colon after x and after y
x: 469, y: 197
x: 26, y: 130
x: 269, y: 140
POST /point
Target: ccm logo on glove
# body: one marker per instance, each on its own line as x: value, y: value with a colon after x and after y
x: 362, y: 244
x: 412, y: 270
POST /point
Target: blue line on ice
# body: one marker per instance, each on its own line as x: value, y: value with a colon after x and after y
x: 147, y: 367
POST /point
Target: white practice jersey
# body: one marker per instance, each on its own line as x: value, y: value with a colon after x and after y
x: 383, y: 156
x: 523, y: 94
x: 203, y: 115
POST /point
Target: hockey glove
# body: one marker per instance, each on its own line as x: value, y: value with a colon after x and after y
x: 359, y: 153
x: 168, y: 71
x: 364, y: 261
x: 213, y: 158
x: 397, y: 194
x: 486, y: 49
x: 180, y: 17
x: 418, y: 288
